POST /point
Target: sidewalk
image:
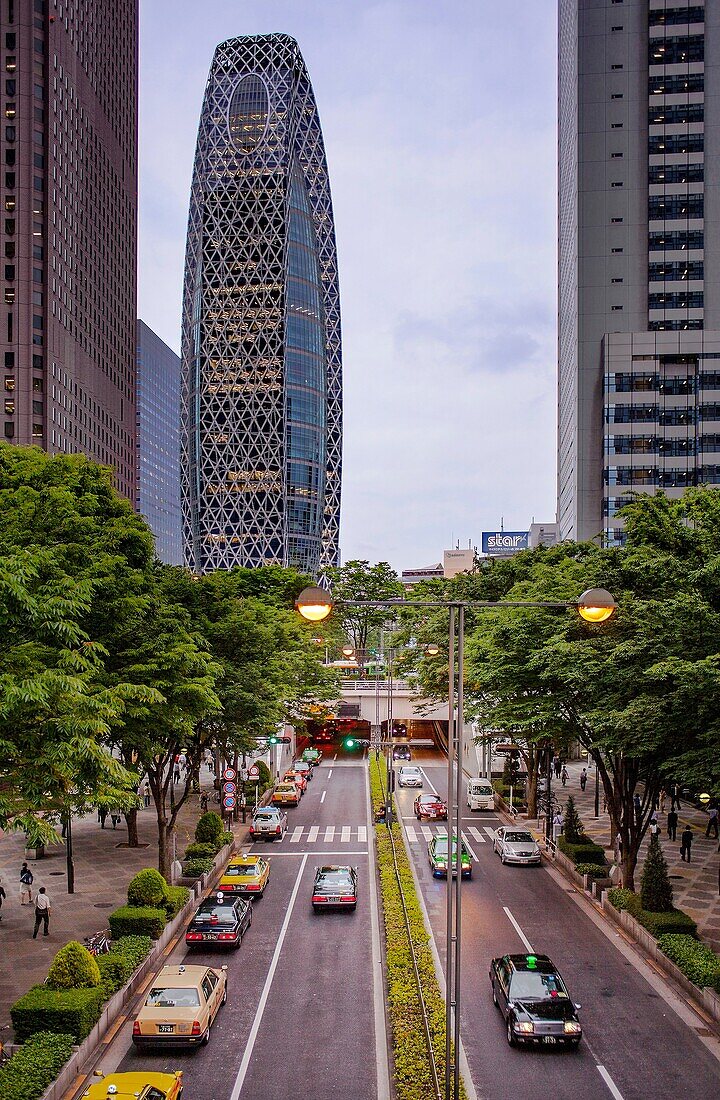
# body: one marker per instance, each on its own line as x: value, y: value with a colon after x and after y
x: 695, y: 884
x: 103, y: 869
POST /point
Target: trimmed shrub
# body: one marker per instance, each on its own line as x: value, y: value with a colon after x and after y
x: 64, y: 1011
x: 135, y: 949
x: 73, y: 968
x: 200, y: 851
x: 194, y: 868
x: 696, y: 960
x: 209, y: 828
x: 177, y: 898
x: 582, y: 853
x: 673, y: 921
x: 131, y: 920
x: 32, y: 1068
x: 620, y: 898
x: 593, y: 869
x: 573, y: 829
x: 147, y: 888
x: 114, y: 971
x: 656, y: 893
x: 226, y: 838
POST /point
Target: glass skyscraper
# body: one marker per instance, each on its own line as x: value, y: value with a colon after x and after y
x: 261, y: 351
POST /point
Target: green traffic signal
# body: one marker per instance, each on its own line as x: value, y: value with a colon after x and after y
x: 350, y: 742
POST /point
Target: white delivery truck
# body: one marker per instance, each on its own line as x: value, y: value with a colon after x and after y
x: 480, y: 795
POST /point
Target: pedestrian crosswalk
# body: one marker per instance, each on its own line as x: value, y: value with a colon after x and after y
x: 427, y: 832
x: 418, y: 833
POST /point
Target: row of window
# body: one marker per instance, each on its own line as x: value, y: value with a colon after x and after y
x: 691, y: 299
x: 675, y: 270
x: 675, y: 206
x: 669, y: 17
x: 673, y: 114
x: 677, y: 49
x: 653, y: 414
x: 676, y: 173
x: 670, y: 479
x: 629, y: 382
x: 675, y: 240
x: 675, y: 143
x: 675, y: 325
x: 646, y: 445
x: 675, y: 85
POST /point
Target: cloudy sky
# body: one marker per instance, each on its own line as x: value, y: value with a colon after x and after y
x: 439, y: 124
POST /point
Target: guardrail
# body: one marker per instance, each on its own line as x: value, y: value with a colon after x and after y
x: 370, y: 685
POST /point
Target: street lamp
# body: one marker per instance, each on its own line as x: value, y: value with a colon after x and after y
x: 595, y: 605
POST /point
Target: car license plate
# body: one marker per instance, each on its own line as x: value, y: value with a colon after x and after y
x: 210, y: 935
x: 166, y: 1029
x: 549, y: 1039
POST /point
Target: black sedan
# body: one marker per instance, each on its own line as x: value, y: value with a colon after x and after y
x: 533, y: 999
x: 335, y: 888
x: 220, y: 921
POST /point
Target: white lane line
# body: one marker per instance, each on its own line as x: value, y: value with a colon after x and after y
x: 488, y: 830
x: 330, y: 833
x: 411, y: 834
x: 334, y: 758
x: 476, y: 835
x: 427, y: 833
x: 614, y: 1090
x: 304, y: 851
x: 297, y: 833
x: 440, y: 830
x: 242, y: 1072
x: 467, y: 845
x: 345, y: 835
x: 313, y: 833
x: 429, y: 782
x: 362, y: 834
x: 329, y: 772
x: 322, y: 796
x: 517, y: 928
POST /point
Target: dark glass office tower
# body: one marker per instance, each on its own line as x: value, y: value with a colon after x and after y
x: 262, y: 375
x: 68, y: 233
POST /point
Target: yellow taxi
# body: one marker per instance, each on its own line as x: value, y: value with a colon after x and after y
x: 286, y: 794
x: 245, y: 876
x: 297, y: 778
x: 180, y: 1006
x: 136, y: 1086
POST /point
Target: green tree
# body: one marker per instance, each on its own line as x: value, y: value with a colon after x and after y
x: 360, y: 581
x: 656, y: 893
x: 573, y: 829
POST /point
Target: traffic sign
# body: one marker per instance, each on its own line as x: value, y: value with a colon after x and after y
x: 229, y: 788
x: 229, y: 801
x: 253, y: 772
x: 229, y: 773
x: 505, y: 750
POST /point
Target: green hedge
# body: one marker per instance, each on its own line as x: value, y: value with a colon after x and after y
x: 582, y: 853
x: 194, y: 868
x: 209, y: 828
x: 131, y: 920
x: 178, y: 896
x: 696, y: 960
x: 118, y: 965
x: 34, y: 1066
x: 64, y: 1011
x: 658, y: 924
x: 147, y: 888
x: 200, y: 851
x: 592, y: 869
x: 411, y: 1072
x: 73, y: 968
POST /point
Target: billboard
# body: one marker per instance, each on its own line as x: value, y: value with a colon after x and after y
x: 503, y: 543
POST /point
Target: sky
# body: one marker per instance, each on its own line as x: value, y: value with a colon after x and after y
x: 439, y: 119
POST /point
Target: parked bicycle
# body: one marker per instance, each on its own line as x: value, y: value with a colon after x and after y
x: 99, y: 943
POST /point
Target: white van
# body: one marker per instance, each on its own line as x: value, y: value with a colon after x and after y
x: 480, y: 795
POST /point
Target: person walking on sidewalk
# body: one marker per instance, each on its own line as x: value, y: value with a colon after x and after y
x: 686, y: 839
x: 672, y: 824
x: 3, y: 895
x: 26, y: 881
x: 663, y: 796
x: 654, y: 827
x: 146, y: 795
x: 583, y: 779
x: 42, y: 913
x: 564, y: 775
x: 674, y: 797
x: 557, y: 765
x: 712, y: 822
x: 102, y: 814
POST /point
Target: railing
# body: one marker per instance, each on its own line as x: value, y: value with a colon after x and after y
x: 370, y: 685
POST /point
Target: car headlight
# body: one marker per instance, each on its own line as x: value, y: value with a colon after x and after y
x: 525, y: 1027
x: 572, y: 1027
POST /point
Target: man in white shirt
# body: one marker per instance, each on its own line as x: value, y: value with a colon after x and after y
x: 42, y: 912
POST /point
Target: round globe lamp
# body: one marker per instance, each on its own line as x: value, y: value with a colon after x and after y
x: 314, y: 604
x: 596, y: 605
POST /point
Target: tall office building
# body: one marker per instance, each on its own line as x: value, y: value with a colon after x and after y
x: 68, y: 188
x: 639, y: 256
x: 158, y: 443
x: 262, y: 379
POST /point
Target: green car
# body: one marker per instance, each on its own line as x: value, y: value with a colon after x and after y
x: 438, y: 856
x: 312, y: 756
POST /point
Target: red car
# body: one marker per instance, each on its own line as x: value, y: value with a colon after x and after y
x: 432, y: 806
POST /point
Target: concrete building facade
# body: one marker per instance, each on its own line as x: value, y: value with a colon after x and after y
x: 639, y: 255
x: 262, y: 373
x: 158, y: 443
x: 68, y: 189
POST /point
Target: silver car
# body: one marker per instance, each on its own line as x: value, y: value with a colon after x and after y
x: 410, y: 776
x: 515, y: 845
x: 269, y: 823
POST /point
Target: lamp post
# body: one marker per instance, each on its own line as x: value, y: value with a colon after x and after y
x: 595, y: 605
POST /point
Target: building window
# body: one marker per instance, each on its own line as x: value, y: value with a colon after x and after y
x: 9, y: 406
x: 676, y: 143
x: 675, y: 114
x: 677, y: 49
x: 617, y: 250
x: 617, y: 95
x: 10, y: 383
x: 615, y: 309
x: 10, y: 295
x: 671, y: 16
x: 616, y: 280
x: 675, y: 173
x: 616, y: 156
x: 10, y: 110
x: 37, y: 407
x: 617, y: 183
x: 616, y: 221
x: 616, y: 68
x: 675, y: 206
x: 9, y: 429
x: 672, y: 85
x: 37, y: 431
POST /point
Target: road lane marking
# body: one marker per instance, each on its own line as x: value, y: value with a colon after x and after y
x: 519, y: 930
x: 476, y: 835
x: 329, y: 772
x: 313, y: 833
x: 441, y: 831
x: 427, y: 833
x: 429, y: 782
x: 322, y: 796
x: 314, y: 852
x: 242, y: 1072
x: 614, y: 1090
x: 345, y: 834
x: 411, y: 834
x: 488, y: 830
x: 297, y: 833
x: 334, y: 758
x: 362, y: 834
x: 330, y: 833
x: 467, y: 845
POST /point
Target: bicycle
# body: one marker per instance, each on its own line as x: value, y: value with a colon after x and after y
x: 99, y: 943
x: 5, y: 1055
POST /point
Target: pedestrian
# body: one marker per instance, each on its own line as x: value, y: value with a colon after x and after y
x: 672, y: 824
x: 663, y: 796
x: 583, y: 779
x: 638, y: 808
x: 42, y: 912
x: 146, y: 795
x: 557, y: 825
x: 102, y: 815
x: 3, y: 895
x: 674, y: 797
x: 686, y: 839
x: 712, y: 822
x: 115, y: 818
x: 26, y: 881
x: 557, y: 765
x: 176, y: 773
x: 654, y: 827
x: 204, y: 802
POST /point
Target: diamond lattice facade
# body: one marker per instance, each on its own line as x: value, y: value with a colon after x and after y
x: 261, y: 351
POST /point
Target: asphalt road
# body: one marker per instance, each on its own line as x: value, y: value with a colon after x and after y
x: 635, y: 1046
x: 300, y: 1013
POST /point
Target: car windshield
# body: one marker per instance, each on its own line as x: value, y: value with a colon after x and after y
x: 215, y: 914
x: 335, y: 882
x: 441, y: 847
x: 410, y: 771
x: 531, y: 985
x: 240, y: 869
x: 519, y: 838
x: 172, y: 998
x: 428, y: 799
x: 267, y: 816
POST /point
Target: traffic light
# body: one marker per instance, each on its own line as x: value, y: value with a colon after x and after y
x: 279, y: 740
x: 356, y: 743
